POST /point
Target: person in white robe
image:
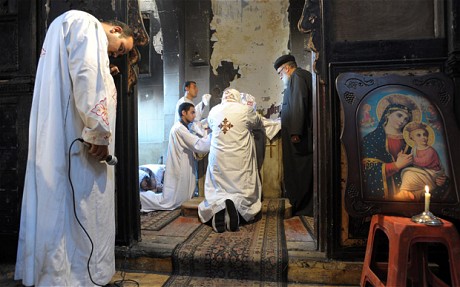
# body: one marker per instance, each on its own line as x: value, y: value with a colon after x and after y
x: 147, y: 180
x: 259, y: 134
x: 232, y: 184
x: 74, y: 100
x: 199, y: 124
x: 151, y: 177
x: 180, y: 172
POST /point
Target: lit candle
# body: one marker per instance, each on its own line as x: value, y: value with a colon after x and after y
x: 427, y: 198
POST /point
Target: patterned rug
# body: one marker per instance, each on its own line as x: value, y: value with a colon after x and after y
x: 257, y: 252
x: 192, y: 281
x: 156, y: 220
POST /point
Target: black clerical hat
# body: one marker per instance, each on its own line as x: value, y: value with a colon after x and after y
x: 283, y: 60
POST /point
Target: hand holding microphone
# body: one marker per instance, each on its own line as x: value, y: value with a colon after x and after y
x: 101, y: 152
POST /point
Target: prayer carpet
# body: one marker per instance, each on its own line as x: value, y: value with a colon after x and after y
x: 192, y: 281
x: 156, y: 220
x: 256, y: 253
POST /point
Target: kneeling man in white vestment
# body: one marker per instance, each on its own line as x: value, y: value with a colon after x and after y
x: 232, y: 185
x: 180, y: 172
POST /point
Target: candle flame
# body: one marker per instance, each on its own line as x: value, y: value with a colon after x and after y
x: 427, y: 189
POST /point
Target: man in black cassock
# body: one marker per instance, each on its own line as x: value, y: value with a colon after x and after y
x: 296, y: 134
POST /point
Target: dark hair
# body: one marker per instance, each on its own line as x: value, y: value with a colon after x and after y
x: 184, y: 107
x: 149, y: 178
x: 188, y: 83
x: 127, y: 31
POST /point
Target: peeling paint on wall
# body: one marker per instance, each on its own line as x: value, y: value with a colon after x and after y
x: 251, y: 34
x: 147, y: 5
x: 157, y: 39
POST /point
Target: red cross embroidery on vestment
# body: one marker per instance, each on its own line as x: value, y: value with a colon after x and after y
x: 225, y: 126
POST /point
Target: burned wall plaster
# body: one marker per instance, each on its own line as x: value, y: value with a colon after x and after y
x: 156, y: 34
x: 251, y: 35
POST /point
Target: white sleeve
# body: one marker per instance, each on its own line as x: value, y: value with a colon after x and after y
x: 198, y: 129
x: 199, y: 108
x: 193, y: 142
x: 201, y: 111
x: 88, y: 61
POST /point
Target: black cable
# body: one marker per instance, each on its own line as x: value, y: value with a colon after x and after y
x: 117, y: 283
x: 76, y: 217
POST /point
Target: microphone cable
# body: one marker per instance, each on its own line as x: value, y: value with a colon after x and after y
x: 119, y: 283
x: 116, y: 283
x: 76, y: 216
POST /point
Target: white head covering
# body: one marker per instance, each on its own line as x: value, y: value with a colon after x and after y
x: 248, y: 99
x: 231, y: 95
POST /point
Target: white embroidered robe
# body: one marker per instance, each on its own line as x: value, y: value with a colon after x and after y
x: 232, y: 164
x: 180, y: 171
x: 74, y: 97
x: 200, y: 109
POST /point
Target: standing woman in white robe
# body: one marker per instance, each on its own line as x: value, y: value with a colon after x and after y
x: 232, y: 164
x: 180, y: 171
x: 74, y: 97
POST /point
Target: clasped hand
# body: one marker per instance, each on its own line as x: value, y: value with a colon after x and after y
x: 114, y: 70
x: 99, y: 151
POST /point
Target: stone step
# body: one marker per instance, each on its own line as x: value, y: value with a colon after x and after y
x: 306, y: 265
x: 190, y: 207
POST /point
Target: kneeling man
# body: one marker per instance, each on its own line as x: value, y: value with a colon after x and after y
x: 232, y: 187
x: 180, y: 172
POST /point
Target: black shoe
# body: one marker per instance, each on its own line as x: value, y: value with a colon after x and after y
x: 232, y: 218
x: 218, y: 221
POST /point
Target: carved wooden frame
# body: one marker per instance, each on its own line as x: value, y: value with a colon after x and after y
x: 353, y: 90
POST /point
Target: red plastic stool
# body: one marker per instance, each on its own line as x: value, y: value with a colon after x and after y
x: 402, y: 235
